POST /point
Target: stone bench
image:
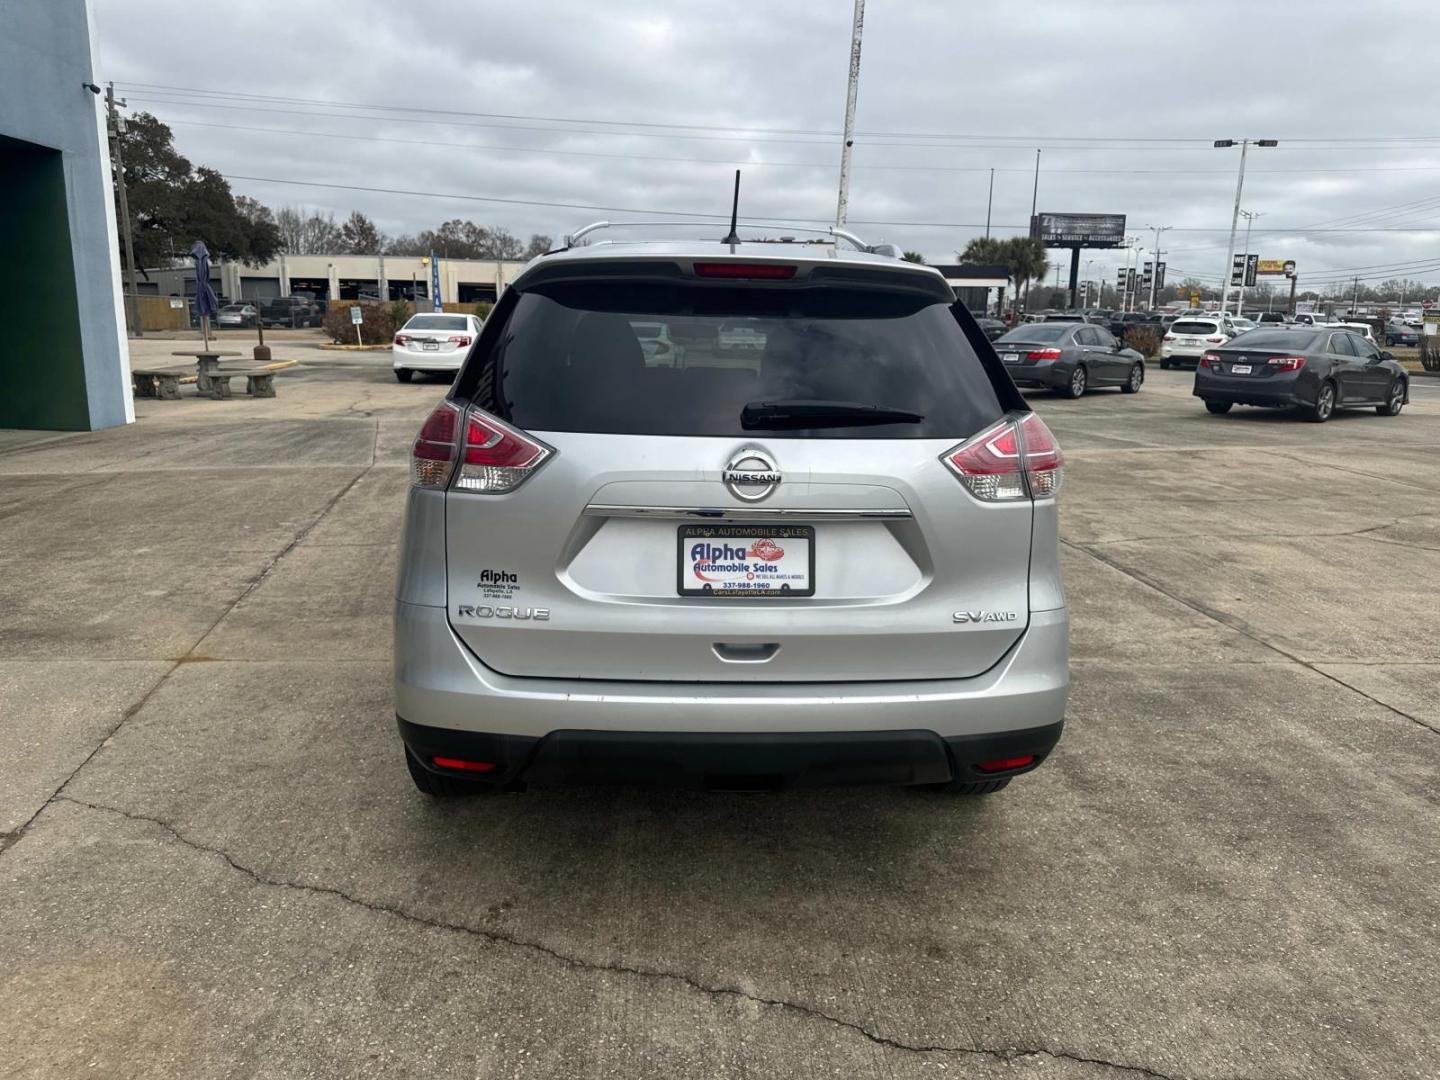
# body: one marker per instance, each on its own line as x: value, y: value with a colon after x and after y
x: 258, y: 381
x: 164, y: 382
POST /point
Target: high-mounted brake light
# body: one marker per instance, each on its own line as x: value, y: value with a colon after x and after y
x: 1043, y: 356
x: 496, y: 458
x: 1014, y: 459
x: 1286, y: 363
x: 432, y: 458
x: 767, y: 271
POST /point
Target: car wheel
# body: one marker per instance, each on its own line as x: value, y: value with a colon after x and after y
x: 1324, y: 405
x: 1219, y: 408
x: 1135, y: 381
x: 971, y: 787
x: 1394, y: 400
x: 443, y: 787
x: 1078, y: 381
x: 403, y: 374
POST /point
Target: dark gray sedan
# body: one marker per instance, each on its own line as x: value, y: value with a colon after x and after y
x: 1070, y: 358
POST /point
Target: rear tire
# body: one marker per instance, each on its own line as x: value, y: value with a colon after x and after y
x: 1324, y: 406
x: 443, y: 787
x: 1164, y: 364
x: 1394, y: 399
x: 403, y: 374
x: 1135, y: 381
x: 1078, y: 383
x: 971, y: 787
x: 1219, y: 408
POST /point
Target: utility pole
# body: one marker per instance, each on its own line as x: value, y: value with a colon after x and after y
x: 842, y: 206
x: 1355, y: 297
x: 989, y: 203
x: 115, y: 128
x: 1250, y: 216
x: 1155, y: 259
x: 1235, y: 216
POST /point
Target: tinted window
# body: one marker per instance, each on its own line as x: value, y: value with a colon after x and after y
x: 1086, y: 336
x: 1065, y: 318
x: 1103, y: 338
x: 1364, y: 349
x: 1280, y: 340
x: 1041, y: 332
x: 569, y: 358
x: 1340, y: 344
x: 1193, y: 326
x: 437, y: 322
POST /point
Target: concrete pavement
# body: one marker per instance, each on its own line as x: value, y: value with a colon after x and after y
x: 212, y: 863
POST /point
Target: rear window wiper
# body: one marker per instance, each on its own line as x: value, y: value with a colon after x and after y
x: 810, y: 412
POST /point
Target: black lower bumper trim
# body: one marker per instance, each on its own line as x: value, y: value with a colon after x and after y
x: 748, y: 761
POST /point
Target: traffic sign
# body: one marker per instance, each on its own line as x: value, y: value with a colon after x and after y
x: 356, y: 316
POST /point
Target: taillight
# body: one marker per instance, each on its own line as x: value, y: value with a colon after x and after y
x: 770, y: 271
x: 1216, y: 340
x: 1210, y: 359
x: 1043, y: 356
x: 494, y: 457
x: 1286, y: 363
x: 401, y: 339
x: 461, y: 340
x: 1168, y: 337
x: 432, y: 458
x: 1011, y: 460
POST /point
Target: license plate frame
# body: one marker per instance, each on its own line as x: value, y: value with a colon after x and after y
x: 1241, y: 369
x: 429, y: 346
x: 1010, y: 358
x: 728, y: 533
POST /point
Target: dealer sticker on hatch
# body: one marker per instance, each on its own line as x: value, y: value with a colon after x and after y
x: 747, y: 560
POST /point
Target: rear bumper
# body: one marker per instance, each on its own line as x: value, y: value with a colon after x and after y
x: 1051, y: 375
x: 440, y: 684
x: 404, y: 359
x: 755, y: 761
x: 1274, y: 390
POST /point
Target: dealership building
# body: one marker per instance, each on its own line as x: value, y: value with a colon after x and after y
x: 341, y: 277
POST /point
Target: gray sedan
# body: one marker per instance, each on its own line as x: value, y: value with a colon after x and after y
x: 1069, y: 358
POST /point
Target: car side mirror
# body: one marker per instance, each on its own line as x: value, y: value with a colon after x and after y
x: 1383, y: 356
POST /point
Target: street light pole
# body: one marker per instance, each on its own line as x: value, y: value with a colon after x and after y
x: 989, y: 203
x: 1155, y: 260
x: 842, y: 205
x: 1235, y: 215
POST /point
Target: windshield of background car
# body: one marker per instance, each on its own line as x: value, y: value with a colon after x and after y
x: 1194, y: 326
x: 1296, y: 340
x: 1043, y: 332
x: 437, y: 322
x: 569, y: 358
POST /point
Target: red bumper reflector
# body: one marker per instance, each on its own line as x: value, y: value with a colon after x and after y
x: 1005, y: 764
x: 463, y: 765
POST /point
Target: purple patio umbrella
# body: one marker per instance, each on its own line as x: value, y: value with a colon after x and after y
x: 206, y: 303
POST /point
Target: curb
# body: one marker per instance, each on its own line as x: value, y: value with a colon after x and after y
x: 331, y: 347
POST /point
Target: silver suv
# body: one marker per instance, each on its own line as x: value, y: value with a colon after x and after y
x: 812, y: 542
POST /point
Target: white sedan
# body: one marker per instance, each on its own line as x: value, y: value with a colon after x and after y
x: 433, y: 342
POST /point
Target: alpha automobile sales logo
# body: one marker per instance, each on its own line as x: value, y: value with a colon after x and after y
x: 766, y: 549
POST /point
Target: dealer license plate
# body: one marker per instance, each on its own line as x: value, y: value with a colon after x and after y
x: 430, y: 346
x: 1010, y: 357
x: 746, y: 560
x: 1240, y: 369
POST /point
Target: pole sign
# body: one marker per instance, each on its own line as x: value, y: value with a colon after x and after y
x: 1148, y: 275
x: 1120, y: 280
x: 1251, y: 263
x: 1130, y: 280
x: 435, y: 304
x: 1237, y: 270
x: 1159, y: 275
x: 1079, y: 230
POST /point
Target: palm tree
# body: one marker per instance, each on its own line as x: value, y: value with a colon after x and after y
x: 1025, y: 256
x: 913, y: 257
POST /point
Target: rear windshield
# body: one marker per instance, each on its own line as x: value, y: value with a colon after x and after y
x: 1193, y: 326
x: 437, y: 322
x: 1298, y: 340
x: 1041, y: 332
x: 569, y: 359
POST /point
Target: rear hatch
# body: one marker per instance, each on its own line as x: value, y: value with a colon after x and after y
x: 723, y: 511
x: 1194, y: 335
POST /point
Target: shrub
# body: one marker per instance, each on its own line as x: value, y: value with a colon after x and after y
x: 400, y: 312
x: 377, y: 324
x: 483, y: 309
x: 1143, y: 339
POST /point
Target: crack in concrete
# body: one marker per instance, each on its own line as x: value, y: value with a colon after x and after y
x: 1365, y: 532
x: 190, y: 656
x: 495, y: 937
x: 1241, y: 627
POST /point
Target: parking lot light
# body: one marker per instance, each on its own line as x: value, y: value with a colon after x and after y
x: 1235, y: 215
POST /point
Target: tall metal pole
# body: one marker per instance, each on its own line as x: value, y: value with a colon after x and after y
x: 1250, y: 216
x: 989, y: 202
x: 1234, y: 223
x: 112, y: 127
x: 1155, y: 261
x: 1035, y: 192
x: 842, y: 206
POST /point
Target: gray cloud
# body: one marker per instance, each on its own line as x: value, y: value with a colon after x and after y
x: 1037, y: 72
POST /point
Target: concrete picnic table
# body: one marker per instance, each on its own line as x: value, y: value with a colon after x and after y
x: 207, y: 364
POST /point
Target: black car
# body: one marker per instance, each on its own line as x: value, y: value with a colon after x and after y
x: 1069, y: 358
x: 1400, y: 334
x: 1315, y: 370
x: 294, y: 311
x: 992, y: 328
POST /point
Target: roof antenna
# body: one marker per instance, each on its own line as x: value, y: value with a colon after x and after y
x: 734, y: 237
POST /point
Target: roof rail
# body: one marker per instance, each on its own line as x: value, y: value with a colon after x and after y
x: 829, y: 230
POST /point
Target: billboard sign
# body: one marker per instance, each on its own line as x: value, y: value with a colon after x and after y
x: 1276, y: 266
x: 1079, y: 230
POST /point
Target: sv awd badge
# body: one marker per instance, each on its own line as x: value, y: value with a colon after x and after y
x: 985, y: 616
x: 481, y: 611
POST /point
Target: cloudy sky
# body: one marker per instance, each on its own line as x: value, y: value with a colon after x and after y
x: 648, y: 107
